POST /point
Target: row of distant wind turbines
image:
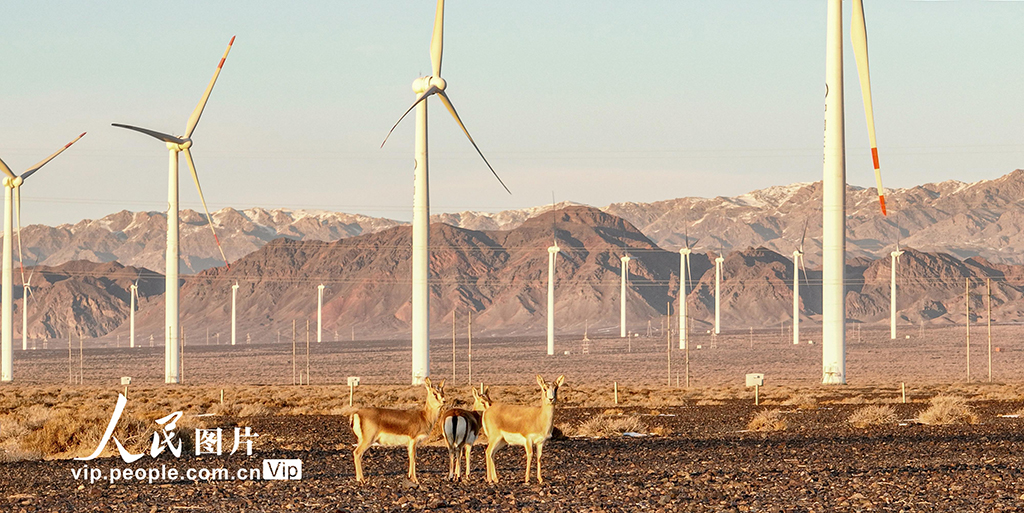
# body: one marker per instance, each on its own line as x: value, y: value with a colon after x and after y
x: 834, y: 236
x: 833, y: 210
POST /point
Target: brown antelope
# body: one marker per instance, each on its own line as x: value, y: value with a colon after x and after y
x: 461, y: 429
x: 393, y: 427
x: 528, y: 426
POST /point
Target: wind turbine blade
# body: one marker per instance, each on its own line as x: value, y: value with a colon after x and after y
x: 859, y: 37
x: 17, y: 216
x: 5, y: 169
x: 804, y: 236
x: 436, y: 41
x: 804, y: 269
x: 152, y: 133
x: 689, y: 273
x: 898, y: 234
x: 428, y: 92
x: 28, y: 172
x: 451, y: 108
x: 193, y: 120
x: 209, y: 219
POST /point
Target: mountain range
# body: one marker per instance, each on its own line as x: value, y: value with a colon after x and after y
x: 982, y: 219
x: 500, y: 277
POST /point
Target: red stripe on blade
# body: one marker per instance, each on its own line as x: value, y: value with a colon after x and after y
x: 874, y: 156
x: 881, y: 200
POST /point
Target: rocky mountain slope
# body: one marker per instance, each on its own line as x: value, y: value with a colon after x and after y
x: 82, y: 298
x: 983, y: 219
x: 501, y: 277
x: 140, y: 238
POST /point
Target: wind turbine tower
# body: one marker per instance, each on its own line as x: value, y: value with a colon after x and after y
x: 319, y: 313
x: 833, y: 345
x: 134, y: 292
x: 552, y: 253
x: 234, y: 295
x: 26, y: 290
x: 622, y: 294
x: 684, y: 268
x: 718, y: 295
x: 175, y: 145
x: 12, y: 203
x: 798, y: 257
x: 892, y: 292
x: 424, y: 87
x: 684, y: 276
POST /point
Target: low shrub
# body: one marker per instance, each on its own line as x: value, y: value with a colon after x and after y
x: 948, y: 409
x: 768, y: 420
x: 602, y: 426
x: 802, y: 401
x: 873, y: 415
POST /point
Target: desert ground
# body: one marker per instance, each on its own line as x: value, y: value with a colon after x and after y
x: 948, y: 445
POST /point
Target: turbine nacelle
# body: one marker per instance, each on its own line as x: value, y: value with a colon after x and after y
x: 13, y: 182
x: 182, y: 146
x: 554, y: 249
x: 896, y: 254
x: 424, y: 84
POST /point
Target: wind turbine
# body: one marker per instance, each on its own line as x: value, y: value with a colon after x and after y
x: 798, y: 264
x: 833, y: 345
x: 892, y: 286
x: 12, y: 200
x: 718, y: 300
x: 175, y: 144
x: 424, y: 87
x: 134, y: 290
x: 234, y: 294
x: 319, y: 312
x: 25, y: 293
x: 684, y: 276
x: 552, y: 253
x: 625, y: 277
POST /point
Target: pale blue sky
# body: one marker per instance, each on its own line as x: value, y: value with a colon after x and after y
x: 600, y: 101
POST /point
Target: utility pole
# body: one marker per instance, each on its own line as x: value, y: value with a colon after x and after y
x: 988, y: 289
x: 668, y: 338
x: 453, y: 346
x: 307, y: 351
x: 469, y: 351
x: 967, y: 322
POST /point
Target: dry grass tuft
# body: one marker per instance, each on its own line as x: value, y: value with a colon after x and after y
x: 873, y: 415
x: 948, y: 409
x: 802, y: 401
x: 603, y: 426
x: 768, y: 420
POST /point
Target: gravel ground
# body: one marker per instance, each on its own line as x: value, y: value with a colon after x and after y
x: 706, y: 461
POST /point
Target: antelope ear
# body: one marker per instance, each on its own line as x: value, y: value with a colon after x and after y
x: 540, y: 381
x: 487, y: 392
x: 441, y: 386
x: 560, y: 380
x: 475, y: 393
x: 426, y: 382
